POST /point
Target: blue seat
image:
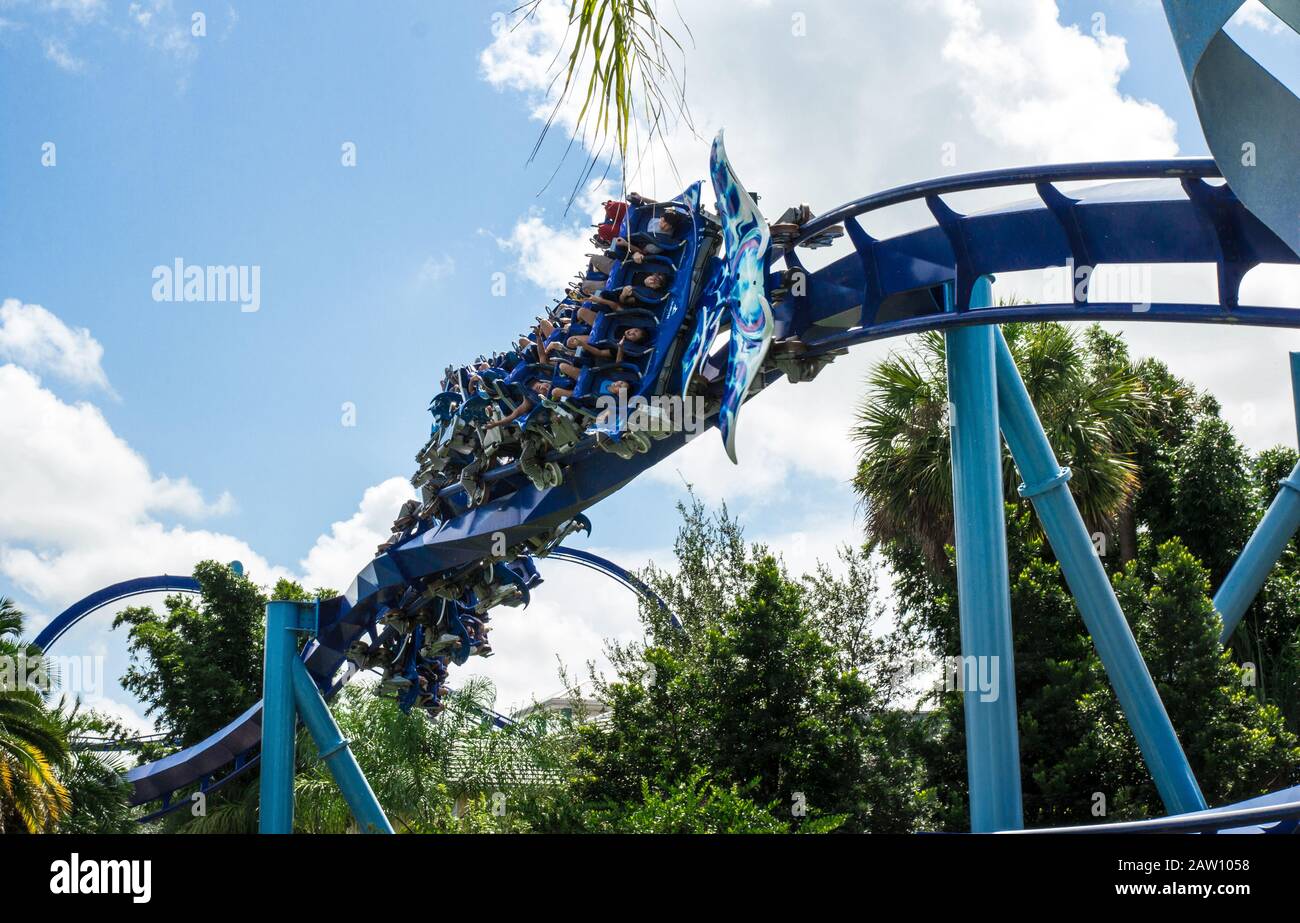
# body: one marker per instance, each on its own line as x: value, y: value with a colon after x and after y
x: 592, y: 379
x: 475, y: 410
x: 609, y: 327
x: 643, y: 298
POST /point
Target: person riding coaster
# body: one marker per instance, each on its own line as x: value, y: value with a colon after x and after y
x: 543, y: 428
x: 627, y: 297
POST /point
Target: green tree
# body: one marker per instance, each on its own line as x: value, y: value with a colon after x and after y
x: 290, y: 591
x: 1066, y: 711
x: 453, y: 773
x: 751, y: 695
x: 1238, y: 747
x: 1190, y: 477
x: 33, y: 745
x: 1090, y: 403
x: 199, y: 664
x: 695, y: 804
x: 100, y: 794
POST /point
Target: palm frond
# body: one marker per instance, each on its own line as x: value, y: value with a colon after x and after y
x: 624, y: 71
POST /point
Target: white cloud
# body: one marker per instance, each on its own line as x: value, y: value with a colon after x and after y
x: 1257, y: 16
x: 787, y: 435
x: 966, y: 66
x: 547, y: 256
x: 1047, y: 90
x: 127, y: 715
x: 79, y: 507
x: 68, y: 477
x: 34, y: 338
x: 79, y: 10
x: 337, y: 556
x: 58, y: 52
x: 157, y: 22
x: 435, y: 268
x: 572, y: 614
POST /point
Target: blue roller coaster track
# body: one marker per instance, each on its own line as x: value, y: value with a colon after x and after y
x: 1175, y: 211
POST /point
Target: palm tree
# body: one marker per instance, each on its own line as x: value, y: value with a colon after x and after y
x: 101, y: 796
x: 1092, y: 408
x: 904, y: 475
x: 624, y: 70
x: 421, y: 769
x: 33, y: 746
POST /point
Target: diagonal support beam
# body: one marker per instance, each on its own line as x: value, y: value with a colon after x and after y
x: 1266, y: 545
x: 1267, y: 542
x: 336, y: 754
x: 1046, y: 486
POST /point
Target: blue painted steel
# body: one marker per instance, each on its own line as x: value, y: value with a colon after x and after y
x: 279, y: 721
x: 336, y: 754
x: 1250, y: 119
x: 1275, y: 813
x: 1144, y: 219
x: 1295, y: 392
x: 1046, y: 488
x: 708, y: 321
x: 992, y: 733
x: 1266, y: 545
x: 610, y: 569
x: 1272, y: 819
x: 110, y: 594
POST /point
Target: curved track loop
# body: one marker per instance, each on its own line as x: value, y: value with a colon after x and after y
x: 610, y: 569
x: 111, y: 594
x: 1146, y: 212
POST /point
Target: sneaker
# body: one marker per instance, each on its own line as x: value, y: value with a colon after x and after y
x: 444, y: 642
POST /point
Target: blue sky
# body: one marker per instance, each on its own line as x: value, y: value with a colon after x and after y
x: 243, y: 167
x: 226, y: 148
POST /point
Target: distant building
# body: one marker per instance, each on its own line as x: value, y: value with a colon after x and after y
x: 577, y: 708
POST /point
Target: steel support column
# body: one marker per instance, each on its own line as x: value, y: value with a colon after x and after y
x: 984, y: 600
x: 279, y: 720
x: 1266, y: 545
x: 288, y: 691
